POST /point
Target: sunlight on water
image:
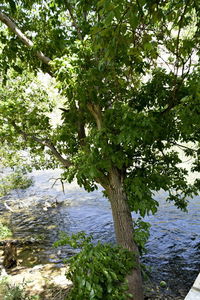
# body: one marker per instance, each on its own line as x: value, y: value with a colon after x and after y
x: 42, y: 211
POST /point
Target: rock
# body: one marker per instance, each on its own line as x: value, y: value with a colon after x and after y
x: 40, y: 278
x: 20, y: 242
x: 3, y: 272
x: 163, y: 284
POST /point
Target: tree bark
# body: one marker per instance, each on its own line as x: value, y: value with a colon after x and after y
x: 124, y: 231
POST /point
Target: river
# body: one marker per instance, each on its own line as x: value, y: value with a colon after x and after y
x: 42, y: 211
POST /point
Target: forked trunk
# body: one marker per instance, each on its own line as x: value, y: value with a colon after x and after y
x: 124, y: 230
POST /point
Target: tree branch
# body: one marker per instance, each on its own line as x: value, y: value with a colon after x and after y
x: 185, y: 147
x: 74, y: 23
x: 26, y: 41
x: 178, y: 36
x: 96, y: 112
x: 46, y: 143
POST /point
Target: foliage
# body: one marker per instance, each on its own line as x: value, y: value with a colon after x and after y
x: 141, y: 234
x: 14, y: 292
x: 128, y: 76
x: 97, y: 271
x: 25, y: 101
x: 11, y: 158
x: 129, y: 80
x: 15, y: 180
x: 4, y: 231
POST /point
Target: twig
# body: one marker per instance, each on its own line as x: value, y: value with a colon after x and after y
x: 62, y: 183
x: 44, y: 142
x: 185, y: 147
x: 8, y: 207
x: 74, y: 21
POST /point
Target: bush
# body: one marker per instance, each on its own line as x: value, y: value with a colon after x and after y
x: 16, y: 180
x: 97, y: 271
x: 4, y: 231
x: 14, y: 292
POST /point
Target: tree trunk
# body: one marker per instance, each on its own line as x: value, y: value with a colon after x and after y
x: 124, y: 231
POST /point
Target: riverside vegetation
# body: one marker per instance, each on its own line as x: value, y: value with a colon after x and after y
x: 15, y: 180
x: 80, y: 241
x: 128, y: 95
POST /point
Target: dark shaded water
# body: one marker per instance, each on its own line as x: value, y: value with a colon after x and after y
x: 173, y: 247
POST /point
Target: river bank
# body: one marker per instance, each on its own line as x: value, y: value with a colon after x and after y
x: 42, y: 211
x: 49, y: 282
x: 42, y: 281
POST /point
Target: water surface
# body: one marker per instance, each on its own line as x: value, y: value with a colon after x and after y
x: 42, y: 211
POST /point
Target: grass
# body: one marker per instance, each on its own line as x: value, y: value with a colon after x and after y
x: 14, y: 292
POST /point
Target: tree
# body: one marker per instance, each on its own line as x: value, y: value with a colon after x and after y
x: 129, y: 73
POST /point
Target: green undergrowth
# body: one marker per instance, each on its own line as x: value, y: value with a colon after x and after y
x: 97, y: 271
x: 14, y: 292
x: 15, y: 180
x: 5, y: 232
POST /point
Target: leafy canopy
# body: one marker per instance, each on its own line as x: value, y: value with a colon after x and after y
x: 129, y: 75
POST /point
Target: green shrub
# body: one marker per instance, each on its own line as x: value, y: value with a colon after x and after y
x: 14, y: 292
x: 4, y: 231
x: 16, y: 180
x: 141, y: 234
x: 97, y: 271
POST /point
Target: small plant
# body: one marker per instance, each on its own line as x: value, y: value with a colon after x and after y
x: 141, y: 234
x: 15, y: 180
x: 4, y: 231
x: 14, y: 292
x: 97, y: 271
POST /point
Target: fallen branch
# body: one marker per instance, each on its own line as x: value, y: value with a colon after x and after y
x: 62, y: 183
